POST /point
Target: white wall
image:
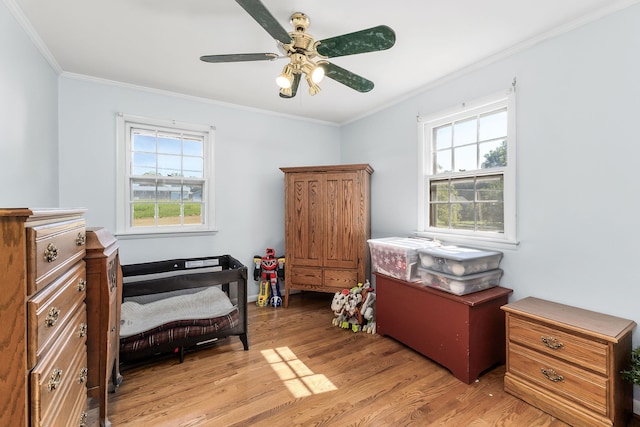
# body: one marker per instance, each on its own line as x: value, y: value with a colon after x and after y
x: 578, y: 99
x: 250, y: 147
x: 28, y: 120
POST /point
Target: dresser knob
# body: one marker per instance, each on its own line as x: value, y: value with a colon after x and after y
x: 83, y: 376
x: 81, y: 239
x: 82, y: 285
x: 51, y: 253
x: 552, y: 375
x: 82, y: 331
x: 54, y: 379
x: 552, y: 343
x: 52, y: 317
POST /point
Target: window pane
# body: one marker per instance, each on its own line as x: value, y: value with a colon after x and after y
x: 142, y: 190
x: 439, y: 191
x: 465, y: 132
x: 442, y: 161
x: 463, y: 190
x: 193, y: 213
x: 169, y: 214
x: 491, y: 217
x: 465, y: 158
x: 143, y: 142
x: 169, y: 165
x: 493, y: 125
x: 440, y: 215
x: 442, y: 137
x: 490, y: 188
x: 168, y: 191
x: 169, y: 144
x: 493, y: 154
x: 192, y: 147
x: 465, y: 216
x: 143, y: 214
x: 192, y: 192
x: 192, y: 167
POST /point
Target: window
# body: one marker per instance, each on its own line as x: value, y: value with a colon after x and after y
x: 164, y: 179
x: 467, y: 172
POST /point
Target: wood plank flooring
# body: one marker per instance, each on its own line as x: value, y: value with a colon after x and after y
x: 302, y: 371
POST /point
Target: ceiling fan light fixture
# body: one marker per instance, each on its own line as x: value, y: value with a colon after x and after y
x: 317, y: 74
x: 285, y: 80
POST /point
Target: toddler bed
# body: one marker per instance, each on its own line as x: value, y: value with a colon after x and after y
x: 176, y: 305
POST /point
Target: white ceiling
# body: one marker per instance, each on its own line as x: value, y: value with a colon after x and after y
x: 157, y: 44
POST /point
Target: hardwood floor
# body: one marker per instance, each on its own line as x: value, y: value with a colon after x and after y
x: 302, y: 371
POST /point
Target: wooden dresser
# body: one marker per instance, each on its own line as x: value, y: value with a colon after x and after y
x: 43, y: 355
x: 567, y: 362
x: 463, y: 333
x: 326, y: 227
x: 104, y: 297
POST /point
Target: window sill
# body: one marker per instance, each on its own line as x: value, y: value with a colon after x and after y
x: 460, y: 239
x: 131, y: 235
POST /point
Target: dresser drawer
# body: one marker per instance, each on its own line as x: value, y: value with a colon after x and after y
x: 588, y: 353
x: 59, y: 371
x: 68, y: 411
x: 559, y: 378
x: 51, y: 249
x: 49, y: 311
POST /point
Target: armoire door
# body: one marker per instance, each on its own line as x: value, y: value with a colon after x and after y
x: 342, y: 224
x: 305, y: 219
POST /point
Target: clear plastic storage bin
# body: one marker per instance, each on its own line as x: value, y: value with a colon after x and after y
x: 460, y: 285
x: 459, y: 261
x: 397, y: 256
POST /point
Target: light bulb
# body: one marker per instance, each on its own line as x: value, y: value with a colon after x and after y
x: 317, y: 74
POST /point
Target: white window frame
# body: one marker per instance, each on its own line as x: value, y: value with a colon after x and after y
x: 124, y: 227
x: 425, y: 173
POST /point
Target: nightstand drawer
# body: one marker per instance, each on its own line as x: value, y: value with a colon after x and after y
x: 553, y: 341
x: 559, y: 378
x: 51, y: 249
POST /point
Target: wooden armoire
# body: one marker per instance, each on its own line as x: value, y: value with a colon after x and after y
x: 327, y: 225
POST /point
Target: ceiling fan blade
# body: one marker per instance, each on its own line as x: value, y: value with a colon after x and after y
x: 240, y: 57
x: 294, y: 87
x: 262, y: 16
x: 347, y: 78
x: 369, y: 40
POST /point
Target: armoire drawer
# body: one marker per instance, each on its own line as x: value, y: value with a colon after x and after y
x: 59, y: 375
x: 559, y: 378
x: 553, y: 341
x: 51, y: 249
x: 49, y: 311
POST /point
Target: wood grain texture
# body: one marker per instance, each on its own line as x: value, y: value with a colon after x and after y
x: 377, y: 380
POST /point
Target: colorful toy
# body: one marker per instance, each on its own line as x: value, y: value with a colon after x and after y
x: 268, y: 269
x: 355, y: 308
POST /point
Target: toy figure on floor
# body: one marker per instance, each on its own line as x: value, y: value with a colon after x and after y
x: 268, y: 269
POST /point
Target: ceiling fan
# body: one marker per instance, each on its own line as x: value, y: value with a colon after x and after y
x: 302, y: 50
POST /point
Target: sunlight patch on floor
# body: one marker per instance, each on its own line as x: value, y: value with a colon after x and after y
x: 296, y: 376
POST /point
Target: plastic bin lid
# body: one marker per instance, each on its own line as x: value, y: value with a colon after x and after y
x: 495, y: 272
x: 404, y: 242
x: 458, y: 253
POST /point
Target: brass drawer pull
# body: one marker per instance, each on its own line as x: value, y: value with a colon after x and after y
x: 52, y: 317
x: 82, y: 285
x: 82, y: 330
x: 55, y: 379
x: 81, y: 239
x: 552, y: 343
x: 552, y: 375
x: 51, y: 253
x: 83, y: 376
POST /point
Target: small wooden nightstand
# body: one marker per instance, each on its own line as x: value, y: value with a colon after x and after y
x: 567, y: 361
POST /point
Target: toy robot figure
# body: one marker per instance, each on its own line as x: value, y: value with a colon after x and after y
x: 268, y: 269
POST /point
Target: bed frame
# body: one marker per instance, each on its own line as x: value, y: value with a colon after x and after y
x: 160, y: 279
